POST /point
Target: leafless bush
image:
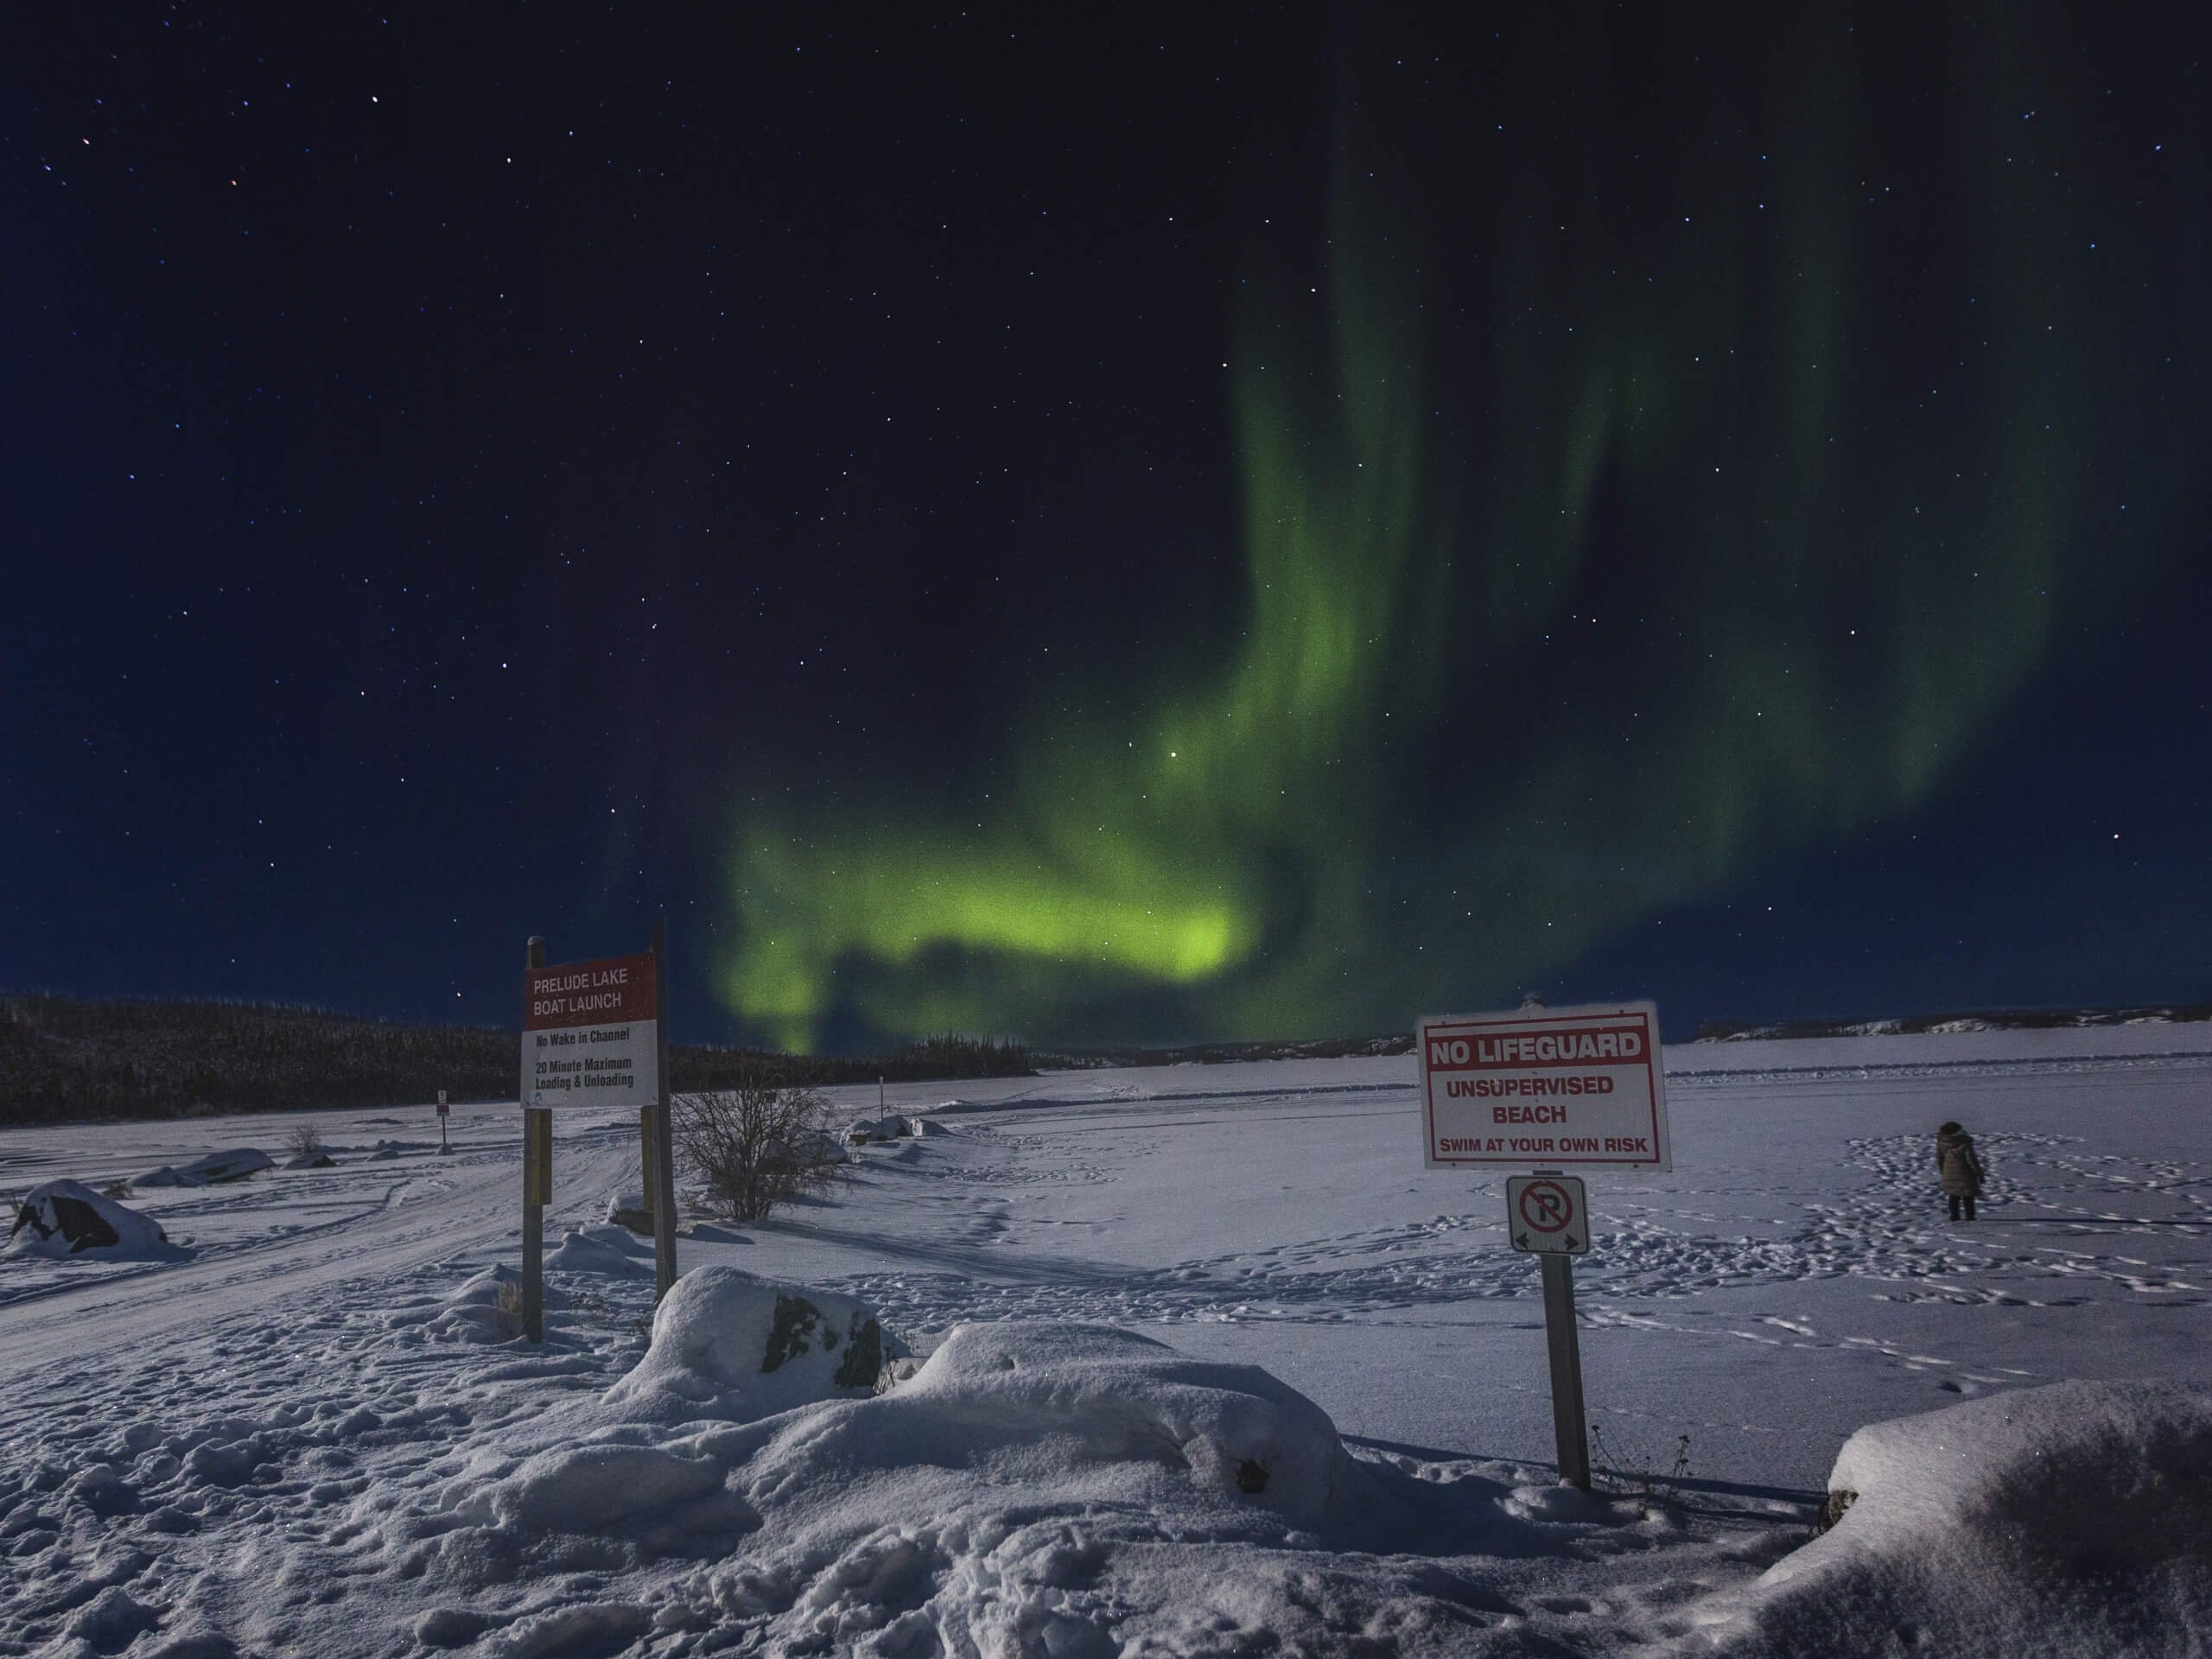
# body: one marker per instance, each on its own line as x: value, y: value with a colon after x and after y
x: 755, y: 1147
x: 1635, y: 1471
x: 305, y: 1140
x: 506, y: 1309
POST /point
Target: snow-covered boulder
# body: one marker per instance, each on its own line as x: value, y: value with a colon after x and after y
x: 210, y: 1170
x: 310, y: 1160
x: 628, y: 1210
x: 1098, y: 1395
x: 894, y: 1126
x: 218, y: 1167
x: 2062, y: 1520
x: 584, y: 1253
x: 727, y: 1345
x: 60, y: 1219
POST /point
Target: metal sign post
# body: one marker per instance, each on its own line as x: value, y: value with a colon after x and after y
x: 444, y: 1111
x: 1570, y: 1428
x: 1547, y: 1214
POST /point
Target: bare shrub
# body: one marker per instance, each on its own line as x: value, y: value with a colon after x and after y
x: 305, y: 1140
x: 1635, y: 1471
x: 754, y: 1147
x: 506, y: 1309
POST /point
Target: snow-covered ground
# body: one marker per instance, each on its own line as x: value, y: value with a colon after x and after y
x: 307, y: 1430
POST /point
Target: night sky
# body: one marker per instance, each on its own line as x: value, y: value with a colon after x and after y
x: 1106, y: 525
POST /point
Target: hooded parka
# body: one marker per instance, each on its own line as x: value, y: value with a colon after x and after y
x: 1955, y: 1157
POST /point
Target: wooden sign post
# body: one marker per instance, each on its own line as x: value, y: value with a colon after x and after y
x: 660, y: 1147
x: 537, y: 1180
x: 593, y: 1035
x: 1548, y: 1216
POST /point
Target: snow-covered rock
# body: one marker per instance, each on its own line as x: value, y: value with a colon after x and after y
x: 1049, y: 1490
x: 59, y: 1219
x: 727, y: 1345
x: 1094, y: 1395
x: 627, y: 1210
x: 2070, y: 1520
x: 218, y: 1167
x: 894, y: 1126
x: 582, y: 1253
x: 210, y: 1170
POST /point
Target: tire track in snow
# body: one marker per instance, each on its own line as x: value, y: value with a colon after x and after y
x: 480, y: 1214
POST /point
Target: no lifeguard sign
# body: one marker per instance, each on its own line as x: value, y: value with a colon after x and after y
x: 1552, y: 1086
x: 591, y: 1033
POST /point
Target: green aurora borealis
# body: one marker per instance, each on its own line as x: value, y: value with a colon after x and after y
x: 1641, y: 478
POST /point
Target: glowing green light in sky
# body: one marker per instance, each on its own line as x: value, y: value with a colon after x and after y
x: 1703, y: 585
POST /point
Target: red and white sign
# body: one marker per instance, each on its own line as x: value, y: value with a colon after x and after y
x: 1555, y: 1086
x: 444, y: 1110
x: 591, y: 1033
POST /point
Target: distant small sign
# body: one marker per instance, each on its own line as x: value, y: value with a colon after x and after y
x: 591, y: 1033
x: 444, y: 1110
x: 1547, y: 1214
x: 1581, y: 1086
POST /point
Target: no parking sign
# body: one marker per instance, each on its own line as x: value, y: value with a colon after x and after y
x: 1547, y: 1214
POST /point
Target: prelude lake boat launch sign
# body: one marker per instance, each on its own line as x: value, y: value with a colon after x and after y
x: 1560, y: 1087
x: 591, y: 1033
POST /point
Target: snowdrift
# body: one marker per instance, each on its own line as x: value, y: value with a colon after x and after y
x: 2072, y: 1520
x: 1030, y: 1484
x: 67, y: 1219
x: 487, y: 1307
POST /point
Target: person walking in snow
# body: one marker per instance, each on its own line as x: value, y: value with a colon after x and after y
x: 1960, y: 1168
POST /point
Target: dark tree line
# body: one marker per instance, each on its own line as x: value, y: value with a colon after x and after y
x: 68, y: 1058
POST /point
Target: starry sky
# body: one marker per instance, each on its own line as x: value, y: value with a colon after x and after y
x: 1107, y: 528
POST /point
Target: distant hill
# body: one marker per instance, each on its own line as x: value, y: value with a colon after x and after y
x: 1722, y: 1031
x: 64, y: 1059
